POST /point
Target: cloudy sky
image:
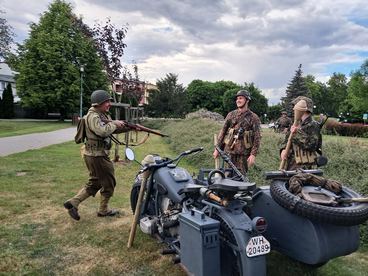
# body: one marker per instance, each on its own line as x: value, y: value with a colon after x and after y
x: 258, y: 41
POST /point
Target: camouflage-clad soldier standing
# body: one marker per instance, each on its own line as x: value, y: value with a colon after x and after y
x: 96, y: 156
x: 306, y: 140
x: 240, y: 136
x: 284, y: 122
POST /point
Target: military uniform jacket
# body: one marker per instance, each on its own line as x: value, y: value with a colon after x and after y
x: 97, y: 130
x: 246, y: 144
x: 307, y: 138
x: 284, y: 122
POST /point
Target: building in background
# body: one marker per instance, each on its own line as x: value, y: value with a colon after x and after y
x: 7, y: 76
x: 121, y: 86
x: 149, y: 88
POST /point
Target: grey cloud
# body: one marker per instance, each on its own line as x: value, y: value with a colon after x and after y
x: 260, y: 7
x: 192, y: 16
x: 142, y: 45
x: 200, y: 21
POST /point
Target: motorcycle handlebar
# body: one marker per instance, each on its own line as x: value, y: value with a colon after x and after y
x: 163, y: 164
x: 192, y: 151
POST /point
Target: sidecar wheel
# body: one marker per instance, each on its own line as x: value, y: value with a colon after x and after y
x: 347, y: 215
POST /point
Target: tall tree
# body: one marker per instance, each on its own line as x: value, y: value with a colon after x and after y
x: 318, y: 93
x: 109, y: 40
x: 274, y: 112
x: 7, y: 103
x: 209, y: 95
x: 337, y: 91
x: 50, y: 62
x: 169, y: 100
x: 6, y: 37
x: 357, y: 98
x: 258, y: 104
x: 110, y: 45
x: 296, y: 87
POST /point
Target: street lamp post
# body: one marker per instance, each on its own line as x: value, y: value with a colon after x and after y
x: 81, y: 91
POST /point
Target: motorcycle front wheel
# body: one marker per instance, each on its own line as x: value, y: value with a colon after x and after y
x: 134, y: 193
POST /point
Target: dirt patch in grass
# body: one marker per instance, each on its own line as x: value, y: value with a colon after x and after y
x: 80, y: 260
x: 360, y: 257
x: 44, y: 212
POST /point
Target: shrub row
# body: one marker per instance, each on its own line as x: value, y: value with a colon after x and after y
x: 345, y: 129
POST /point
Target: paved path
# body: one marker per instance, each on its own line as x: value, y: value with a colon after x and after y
x: 14, y: 144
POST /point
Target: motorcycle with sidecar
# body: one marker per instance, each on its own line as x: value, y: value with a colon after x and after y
x: 220, y: 223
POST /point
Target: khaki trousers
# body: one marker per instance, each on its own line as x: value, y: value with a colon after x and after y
x: 101, y: 175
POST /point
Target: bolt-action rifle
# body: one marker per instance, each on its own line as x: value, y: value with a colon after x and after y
x: 227, y: 159
x: 138, y: 127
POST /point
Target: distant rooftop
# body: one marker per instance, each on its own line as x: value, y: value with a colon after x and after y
x: 5, y: 70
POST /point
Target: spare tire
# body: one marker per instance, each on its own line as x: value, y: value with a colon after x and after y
x: 347, y: 214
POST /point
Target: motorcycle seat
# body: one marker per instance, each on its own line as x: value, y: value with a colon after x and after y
x: 225, y: 184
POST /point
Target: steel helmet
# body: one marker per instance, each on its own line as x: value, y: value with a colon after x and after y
x: 100, y: 96
x: 243, y: 93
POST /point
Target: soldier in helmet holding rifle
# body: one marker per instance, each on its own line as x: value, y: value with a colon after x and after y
x: 98, y: 128
x: 240, y: 136
x: 299, y: 150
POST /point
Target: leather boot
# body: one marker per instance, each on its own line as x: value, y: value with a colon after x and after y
x: 72, y: 204
x: 104, y: 210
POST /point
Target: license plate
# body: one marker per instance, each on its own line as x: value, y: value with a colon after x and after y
x: 258, y: 245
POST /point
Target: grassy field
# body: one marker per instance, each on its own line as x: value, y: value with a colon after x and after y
x: 37, y: 237
x: 13, y: 128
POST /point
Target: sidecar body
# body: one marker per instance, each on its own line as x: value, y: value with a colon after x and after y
x: 309, y: 241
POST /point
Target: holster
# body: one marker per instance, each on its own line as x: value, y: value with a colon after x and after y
x: 95, y: 145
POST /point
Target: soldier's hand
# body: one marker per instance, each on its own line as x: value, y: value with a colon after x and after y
x: 119, y: 123
x: 294, y: 129
x: 251, y: 160
x: 215, y: 154
x: 283, y: 155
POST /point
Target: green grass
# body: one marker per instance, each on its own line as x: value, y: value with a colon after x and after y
x: 13, y: 128
x: 37, y: 237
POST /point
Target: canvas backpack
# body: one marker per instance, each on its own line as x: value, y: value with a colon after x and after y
x: 81, y: 135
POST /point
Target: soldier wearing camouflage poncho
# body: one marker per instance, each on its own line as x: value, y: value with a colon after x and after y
x: 306, y: 140
x: 240, y: 136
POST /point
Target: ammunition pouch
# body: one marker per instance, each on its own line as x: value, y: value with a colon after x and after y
x: 303, y: 156
x: 248, y: 139
x: 229, y: 136
x: 95, y: 145
x: 107, y: 143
